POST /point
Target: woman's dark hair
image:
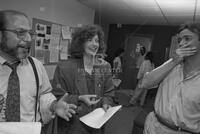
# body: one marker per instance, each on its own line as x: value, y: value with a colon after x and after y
x: 142, y: 50
x: 149, y: 56
x: 119, y: 51
x: 83, y: 34
x: 192, y: 26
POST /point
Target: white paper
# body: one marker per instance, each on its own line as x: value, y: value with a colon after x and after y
x: 56, y: 29
x: 40, y: 28
x: 20, y: 127
x: 98, y: 117
x: 66, y: 33
x: 54, y: 48
x: 64, y: 49
x: 39, y: 54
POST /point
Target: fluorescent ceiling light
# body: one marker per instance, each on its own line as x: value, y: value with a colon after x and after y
x: 176, y: 3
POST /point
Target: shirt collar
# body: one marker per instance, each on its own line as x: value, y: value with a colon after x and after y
x: 4, y: 57
x: 24, y: 61
x: 191, y: 75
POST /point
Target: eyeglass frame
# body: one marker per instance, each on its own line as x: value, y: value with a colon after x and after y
x: 22, y: 37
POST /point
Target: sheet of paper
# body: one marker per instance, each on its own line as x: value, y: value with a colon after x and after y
x: 64, y: 49
x: 54, y: 48
x: 98, y: 117
x: 20, y: 127
x: 56, y: 29
x: 66, y: 33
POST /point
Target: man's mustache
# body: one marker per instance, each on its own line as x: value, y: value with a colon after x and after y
x: 25, y: 47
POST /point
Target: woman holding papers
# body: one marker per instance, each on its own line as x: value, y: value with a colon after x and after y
x: 86, y: 77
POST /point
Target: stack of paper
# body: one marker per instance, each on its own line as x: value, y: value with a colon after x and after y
x: 98, y: 117
x: 20, y: 127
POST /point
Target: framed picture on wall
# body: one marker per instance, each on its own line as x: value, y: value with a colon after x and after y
x: 133, y: 44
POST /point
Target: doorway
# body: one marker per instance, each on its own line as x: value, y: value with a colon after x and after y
x: 132, y: 58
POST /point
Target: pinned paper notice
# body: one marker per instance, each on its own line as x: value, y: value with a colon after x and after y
x: 66, y: 33
x: 98, y: 117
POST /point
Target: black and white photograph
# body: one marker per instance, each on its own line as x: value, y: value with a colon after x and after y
x: 100, y: 67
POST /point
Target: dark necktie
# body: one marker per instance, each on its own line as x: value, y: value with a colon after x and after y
x: 12, y: 112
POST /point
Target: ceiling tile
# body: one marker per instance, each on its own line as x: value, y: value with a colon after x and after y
x: 174, y: 20
x: 177, y: 7
x: 197, y: 17
x: 139, y: 11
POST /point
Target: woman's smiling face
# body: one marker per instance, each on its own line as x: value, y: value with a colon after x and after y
x: 91, y: 46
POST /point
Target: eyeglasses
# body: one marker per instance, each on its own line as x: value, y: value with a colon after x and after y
x: 22, y: 34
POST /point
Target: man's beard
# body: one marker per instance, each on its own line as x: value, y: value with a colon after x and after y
x: 5, y: 48
x: 19, y: 52
x: 22, y: 52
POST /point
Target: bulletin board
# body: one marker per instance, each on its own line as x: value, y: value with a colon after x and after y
x: 52, y: 40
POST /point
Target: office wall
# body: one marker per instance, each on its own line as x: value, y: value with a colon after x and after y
x: 66, y: 12
x: 161, y: 38
x: 103, y: 23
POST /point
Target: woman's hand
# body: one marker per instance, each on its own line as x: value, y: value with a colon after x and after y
x: 106, y: 107
x: 89, y: 99
x: 116, y: 82
x: 184, y: 51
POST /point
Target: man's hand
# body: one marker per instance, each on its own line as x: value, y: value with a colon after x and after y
x: 63, y: 109
x: 106, y: 107
x: 89, y: 99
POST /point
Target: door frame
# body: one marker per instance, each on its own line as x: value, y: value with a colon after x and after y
x: 129, y: 78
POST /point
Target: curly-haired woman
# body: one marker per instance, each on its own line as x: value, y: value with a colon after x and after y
x: 85, y: 77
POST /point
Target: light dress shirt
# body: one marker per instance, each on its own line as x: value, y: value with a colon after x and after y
x: 28, y: 90
x: 178, y: 102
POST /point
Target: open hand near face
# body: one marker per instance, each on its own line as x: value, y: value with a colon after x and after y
x: 63, y: 109
x: 188, y: 43
x: 89, y: 99
x: 184, y: 51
